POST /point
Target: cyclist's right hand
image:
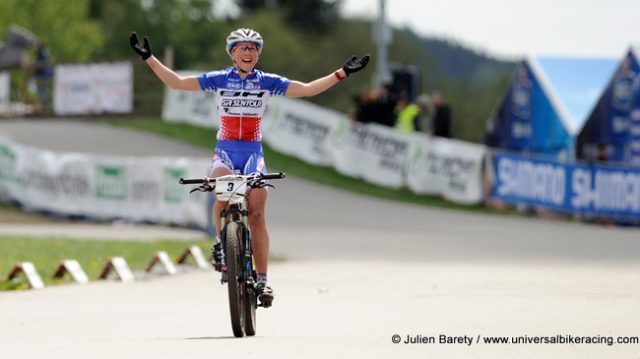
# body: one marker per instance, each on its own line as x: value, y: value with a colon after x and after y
x: 143, y: 49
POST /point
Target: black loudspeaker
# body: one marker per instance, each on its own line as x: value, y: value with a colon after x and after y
x: 405, y: 82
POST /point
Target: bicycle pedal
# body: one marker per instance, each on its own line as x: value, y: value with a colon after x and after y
x: 265, y: 302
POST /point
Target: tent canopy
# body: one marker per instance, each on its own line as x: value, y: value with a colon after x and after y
x: 613, y: 124
x: 17, y: 41
x: 546, y: 103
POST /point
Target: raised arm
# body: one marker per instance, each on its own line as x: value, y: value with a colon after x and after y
x: 301, y: 89
x: 165, y: 74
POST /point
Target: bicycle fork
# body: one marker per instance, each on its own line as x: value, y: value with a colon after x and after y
x: 240, y: 215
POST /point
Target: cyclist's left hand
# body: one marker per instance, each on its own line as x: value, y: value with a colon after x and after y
x: 144, y: 49
x: 354, y: 64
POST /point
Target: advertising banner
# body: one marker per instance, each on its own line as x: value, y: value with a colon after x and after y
x: 4, y: 92
x: 573, y: 188
x: 375, y: 153
x: 448, y: 167
x: 81, y: 89
x: 193, y: 107
x: 301, y: 129
x: 103, y: 187
x: 114, y: 83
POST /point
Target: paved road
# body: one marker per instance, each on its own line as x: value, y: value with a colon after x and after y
x: 359, y: 270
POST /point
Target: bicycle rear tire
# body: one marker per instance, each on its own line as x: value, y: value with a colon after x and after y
x: 250, y: 305
x: 234, y: 272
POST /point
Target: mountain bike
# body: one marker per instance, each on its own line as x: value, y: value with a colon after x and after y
x: 239, y: 275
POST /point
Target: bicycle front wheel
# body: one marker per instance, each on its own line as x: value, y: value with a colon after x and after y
x: 236, y: 287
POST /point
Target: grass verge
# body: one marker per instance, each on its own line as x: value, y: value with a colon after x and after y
x: 47, y: 253
x: 205, y: 138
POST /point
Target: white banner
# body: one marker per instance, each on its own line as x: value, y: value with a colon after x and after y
x: 375, y: 153
x: 93, y: 88
x: 4, y: 92
x: 114, y: 82
x: 300, y: 129
x: 448, y: 167
x: 196, y: 108
x: 103, y: 187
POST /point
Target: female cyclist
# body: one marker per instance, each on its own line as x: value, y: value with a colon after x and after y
x: 242, y: 93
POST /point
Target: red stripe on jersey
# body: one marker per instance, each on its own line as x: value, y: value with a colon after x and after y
x: 239, y: 128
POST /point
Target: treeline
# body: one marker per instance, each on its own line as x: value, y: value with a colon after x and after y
x: 304, y: 39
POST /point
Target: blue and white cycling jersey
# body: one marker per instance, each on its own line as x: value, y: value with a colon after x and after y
x: 241, y: 102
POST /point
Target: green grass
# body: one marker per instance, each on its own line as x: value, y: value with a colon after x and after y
x: 47, y: 253
x: 325, y: 175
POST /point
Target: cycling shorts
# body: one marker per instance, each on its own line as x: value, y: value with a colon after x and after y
x: 246, y: 156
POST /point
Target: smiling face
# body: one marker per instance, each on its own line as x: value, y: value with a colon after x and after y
x: 245, y: 56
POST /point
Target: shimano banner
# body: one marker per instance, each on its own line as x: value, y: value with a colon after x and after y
x: 567, y: 187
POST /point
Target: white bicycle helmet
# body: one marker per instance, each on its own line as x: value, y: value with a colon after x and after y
x: 243, y: 35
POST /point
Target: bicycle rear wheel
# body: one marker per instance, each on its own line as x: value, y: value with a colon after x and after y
x: 234, y: 285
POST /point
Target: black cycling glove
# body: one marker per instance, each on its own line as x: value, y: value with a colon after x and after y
x: 143, y: 49
x: 354, y: 64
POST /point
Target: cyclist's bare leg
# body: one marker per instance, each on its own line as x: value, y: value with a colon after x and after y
x: 258, y: 225
x: 219, y: 206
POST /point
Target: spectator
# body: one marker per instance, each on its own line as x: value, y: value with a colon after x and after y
x: 441, y: 117
x: 387, y: 101
x: 43, y: 73
x: 366, y: 107
x: 426, y: 113
x: 408, y: 118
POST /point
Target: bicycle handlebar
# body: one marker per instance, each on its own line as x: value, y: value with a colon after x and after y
x: 191, y: 180
x: 266, y: 176
x: 278, y: 175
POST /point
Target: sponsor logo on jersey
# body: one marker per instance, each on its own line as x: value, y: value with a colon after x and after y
x: 228, y: 102
x: 227, y: 93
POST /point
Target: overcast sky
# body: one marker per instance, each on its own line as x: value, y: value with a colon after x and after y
x: 516, y: 28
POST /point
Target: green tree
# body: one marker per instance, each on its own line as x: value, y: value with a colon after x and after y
x: 316, y: 16
x: 64, y: 26
x: 188, y: 26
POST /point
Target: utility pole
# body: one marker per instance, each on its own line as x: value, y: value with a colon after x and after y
x: 382, y: 37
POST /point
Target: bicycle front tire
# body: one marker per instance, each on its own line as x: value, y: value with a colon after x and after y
x: 234, y: 285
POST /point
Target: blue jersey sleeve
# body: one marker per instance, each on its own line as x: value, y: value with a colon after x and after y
x: 276, y: 84
x: 210, y: 81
